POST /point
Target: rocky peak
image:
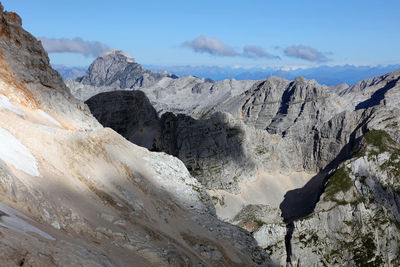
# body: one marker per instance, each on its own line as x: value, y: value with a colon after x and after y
x: 117, y: 69
x: 372, y: 92
x: 373, y: 82
x: 10, y: 17
x: 118, y: 54
x: 25, y: 64
x: 307, y: 90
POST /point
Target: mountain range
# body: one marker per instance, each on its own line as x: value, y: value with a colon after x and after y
x: 310, y: 170
x: 127, y: 166
x: 327, y: 75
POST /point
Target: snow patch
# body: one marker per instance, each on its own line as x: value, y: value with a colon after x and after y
x: 48, y: 118
x: 15, y: 153
x: 46, y: 128
x: 13, y: 220
x: 6, y: 104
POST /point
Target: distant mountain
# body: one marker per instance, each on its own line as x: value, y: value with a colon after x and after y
x: 70, y: 72
x: 328, y: 75
x: 334, y: 75
x: 215, y: 72
x: 116, y: 70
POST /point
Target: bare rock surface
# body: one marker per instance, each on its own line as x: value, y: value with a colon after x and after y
x: 86, y: 196
x: 312, y: 171
x: 288, y: 140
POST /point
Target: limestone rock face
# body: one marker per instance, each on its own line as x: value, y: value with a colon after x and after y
x: 359, y: 210
x: 283, y: 107
x: 212, y: 149
x: 355, y: 220
x: 372, y: 92
x: 73, y: 193
x: 117, y: 69
x: 37, y: 83
x: 130, y: 114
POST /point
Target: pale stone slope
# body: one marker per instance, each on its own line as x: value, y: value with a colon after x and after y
x: 74, y: 193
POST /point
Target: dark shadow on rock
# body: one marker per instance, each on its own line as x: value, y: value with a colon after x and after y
x: 129, y: 113
x: 205, y: 146
x: 377, y: 97
x: 288, y: 239
x: 301, y: 202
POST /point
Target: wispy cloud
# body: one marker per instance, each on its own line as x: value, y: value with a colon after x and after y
x: 210, y: 45
x: 254, y: 51
x: 214, y: 46
x: 305, y: 52
x: 76, y: 45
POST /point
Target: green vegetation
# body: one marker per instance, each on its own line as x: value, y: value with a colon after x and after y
x: 380, y: 140
x: 365, y: 254
x: 250, y: 213
x: 338, y: 182
x: 363, y: 250
x: 260, y: 150
x: 384, y: 143
x: 310, y: 239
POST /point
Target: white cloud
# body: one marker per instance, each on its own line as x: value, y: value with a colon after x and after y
x: 305, y: 52
x: 76, y: 45
x: 254, y: 51
x: 210, y: 45
x: 214, y: 46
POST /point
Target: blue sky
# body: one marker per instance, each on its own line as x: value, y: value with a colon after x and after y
x: 224, y: 33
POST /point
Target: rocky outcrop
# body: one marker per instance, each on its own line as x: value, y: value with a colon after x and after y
x: 306, y: 129
x: 372, y: 92
x: 359, y: 200
x: 37, y: 83
x: 116, y: 70
x: 283, y: 107
x: 75, y: 193
x: 212, y: 149
x: 357, y: 218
